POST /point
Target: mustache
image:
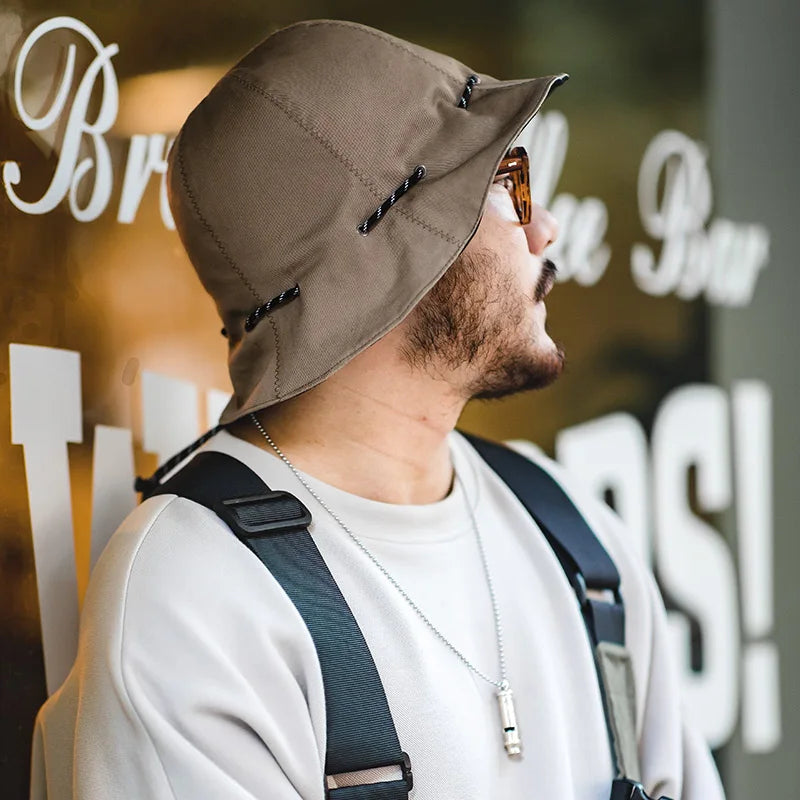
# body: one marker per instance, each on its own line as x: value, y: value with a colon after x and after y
x: 546, y: 279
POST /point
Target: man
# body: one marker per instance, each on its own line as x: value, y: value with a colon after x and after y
x: 340, y: 196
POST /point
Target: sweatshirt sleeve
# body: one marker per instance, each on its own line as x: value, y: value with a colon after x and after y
x: 674, y: 758
x: 696, y: 776
x: 675, y: 761
x: 195, y: 677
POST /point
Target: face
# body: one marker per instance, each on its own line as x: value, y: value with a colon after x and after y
x: 482, y: 325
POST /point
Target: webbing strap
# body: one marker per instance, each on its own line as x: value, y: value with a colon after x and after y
x: 616, y: 672
x: 588, y: 567
x: 360, y: 731
x: 390, y: 790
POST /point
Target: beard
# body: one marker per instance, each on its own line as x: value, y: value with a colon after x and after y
x: 475, y: 323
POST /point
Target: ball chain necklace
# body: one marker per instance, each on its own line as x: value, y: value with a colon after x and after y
x: 505, y: 697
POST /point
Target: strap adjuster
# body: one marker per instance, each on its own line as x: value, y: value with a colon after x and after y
x: 379, y: 787
x: 582, y: 591
x: 264, y: 514
x: 605, y: 619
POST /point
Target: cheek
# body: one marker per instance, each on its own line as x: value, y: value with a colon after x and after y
x: 500, y: 204
x: 501, y: 235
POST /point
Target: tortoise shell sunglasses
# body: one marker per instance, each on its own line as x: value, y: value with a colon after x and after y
x: 516, y: 166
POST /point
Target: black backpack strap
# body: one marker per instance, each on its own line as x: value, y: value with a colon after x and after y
x: 588, y: 568
x: 583, y: 558
x: 360, y: 731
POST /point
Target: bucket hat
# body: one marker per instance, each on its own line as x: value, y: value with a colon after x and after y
x: 323, y: 186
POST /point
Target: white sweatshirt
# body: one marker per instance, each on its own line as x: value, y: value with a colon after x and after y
x: 196, y: 677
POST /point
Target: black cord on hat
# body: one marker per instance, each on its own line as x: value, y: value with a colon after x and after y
x: 284, y: 297
x: 255, y: 317
x: 366, y: 226
x: 471, y: 81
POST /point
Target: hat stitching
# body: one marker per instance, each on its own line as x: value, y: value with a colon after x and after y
x: 257, y: 87
x: 219, y: 243
x: 377, y: 34
x: 277, y: 356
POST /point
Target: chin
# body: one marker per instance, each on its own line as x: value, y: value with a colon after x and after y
x: 531, y: 369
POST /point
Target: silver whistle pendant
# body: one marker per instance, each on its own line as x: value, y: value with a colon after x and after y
x: 508, y: 718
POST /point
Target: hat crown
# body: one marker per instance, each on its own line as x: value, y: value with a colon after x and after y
x: 295, y: 146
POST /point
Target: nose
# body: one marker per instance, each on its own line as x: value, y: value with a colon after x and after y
x: 542, y: 230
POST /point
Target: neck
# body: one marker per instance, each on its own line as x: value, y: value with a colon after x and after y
x: 374, y: 428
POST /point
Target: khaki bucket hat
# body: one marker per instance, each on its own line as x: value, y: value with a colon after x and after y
x: 323, y: 186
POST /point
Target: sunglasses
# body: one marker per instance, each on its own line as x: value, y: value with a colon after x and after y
x: 516, y: 166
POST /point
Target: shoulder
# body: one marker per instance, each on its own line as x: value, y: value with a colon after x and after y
x: 644, y: 607
x: 173, y: 571
x: 190, y: 656
x: 639, y: 591
x: 169, y: 543
x: 610, y: 529
x: 607, y: 525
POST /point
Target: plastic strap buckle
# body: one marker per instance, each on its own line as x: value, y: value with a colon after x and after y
x: 265, y: 514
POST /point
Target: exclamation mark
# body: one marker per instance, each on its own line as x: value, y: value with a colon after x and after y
x: 752, y: 421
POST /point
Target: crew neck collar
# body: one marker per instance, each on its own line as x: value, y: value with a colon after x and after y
x: 442, y: 520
